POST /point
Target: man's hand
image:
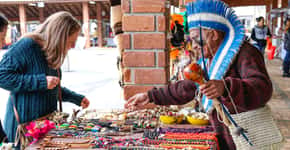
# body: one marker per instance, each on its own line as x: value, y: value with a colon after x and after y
x: 52, y: 82
x: 138, y: 101
x: 85, y: 103
x: 213, y: 89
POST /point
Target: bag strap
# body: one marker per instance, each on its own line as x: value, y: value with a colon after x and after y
x: 59, y: 92
x: 19, y: 129
x: 15, y: 110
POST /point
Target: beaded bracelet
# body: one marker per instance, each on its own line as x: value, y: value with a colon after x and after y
x: 188, y: 130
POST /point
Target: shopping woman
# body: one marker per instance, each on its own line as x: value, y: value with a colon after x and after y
x: 30, y: 70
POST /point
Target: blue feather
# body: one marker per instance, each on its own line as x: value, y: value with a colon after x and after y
x: 221, y: 9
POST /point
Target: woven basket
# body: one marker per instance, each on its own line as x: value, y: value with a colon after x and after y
x: 261, y: 130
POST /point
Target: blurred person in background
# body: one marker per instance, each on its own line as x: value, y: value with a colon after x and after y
x: 3, y: 29
x: 286, y: 60
x: 259, y: 34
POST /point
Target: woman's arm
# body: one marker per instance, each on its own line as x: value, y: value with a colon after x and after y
x: 13, y: 79
x: 71, y: 96
x: 178, y: 93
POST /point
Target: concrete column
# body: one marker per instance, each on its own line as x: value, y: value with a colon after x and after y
x: 86, y: 23
x: 100, y: 25
x: 41, y: 14
x: 275, y: 20
x: 22, y: 17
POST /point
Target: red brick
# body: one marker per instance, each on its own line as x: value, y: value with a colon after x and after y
x: 149, y: 41
x: 162, y: 59
x: 138, y: 59
x: 161, y: 23
x: 148, y: 6
x: 126, y: 40
x: 125, y: 5
x: 127, y: 75
x: 150, y: 76
x: 138, y: 23
x: 131, y: 90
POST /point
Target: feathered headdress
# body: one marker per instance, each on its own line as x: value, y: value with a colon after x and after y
x: 215, y: 14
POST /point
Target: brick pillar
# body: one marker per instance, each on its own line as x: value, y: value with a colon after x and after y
x: 100, y: 25
x: 145, y: 56
x: 22, y: 19
x: 86, y: 23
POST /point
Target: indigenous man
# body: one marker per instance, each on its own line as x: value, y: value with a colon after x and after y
x: 236, y: 69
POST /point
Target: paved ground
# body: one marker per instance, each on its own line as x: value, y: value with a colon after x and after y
x: 280, y: 102
x: 93, y: 73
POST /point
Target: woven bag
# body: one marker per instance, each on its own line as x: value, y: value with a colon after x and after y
x: 260, y: 129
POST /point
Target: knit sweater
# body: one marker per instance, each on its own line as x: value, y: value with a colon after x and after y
x: 23, y: 71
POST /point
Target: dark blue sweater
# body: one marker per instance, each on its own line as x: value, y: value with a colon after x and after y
x: 23, y: 71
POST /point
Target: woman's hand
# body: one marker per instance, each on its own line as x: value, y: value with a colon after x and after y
x: 85, y: 103
x: 52, y: 82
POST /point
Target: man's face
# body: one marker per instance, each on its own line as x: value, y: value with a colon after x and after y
x: 4, y: 32
x: 261, y: 23
x: 288, y: 23
x: 208, y: 42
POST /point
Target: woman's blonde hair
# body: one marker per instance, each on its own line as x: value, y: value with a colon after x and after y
x: 53, y: 34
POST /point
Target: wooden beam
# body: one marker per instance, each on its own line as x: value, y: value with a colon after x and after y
x: 37, y: 18
x: 53, y: 8
x: 30, y: 11
x: 6, y: 12
x: 86, y: 23
x: 13, y: 10
x: 49, y: 1
x: 22, y: 19
x: 107, y: 8
x: 75, y: 9
x: 235, y: 3
x: 93, y: 10
x: 67, y: 8
x: 78, y: 8
x: 100, y: 24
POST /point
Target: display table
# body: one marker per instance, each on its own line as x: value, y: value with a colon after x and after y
x: 128, y: 131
